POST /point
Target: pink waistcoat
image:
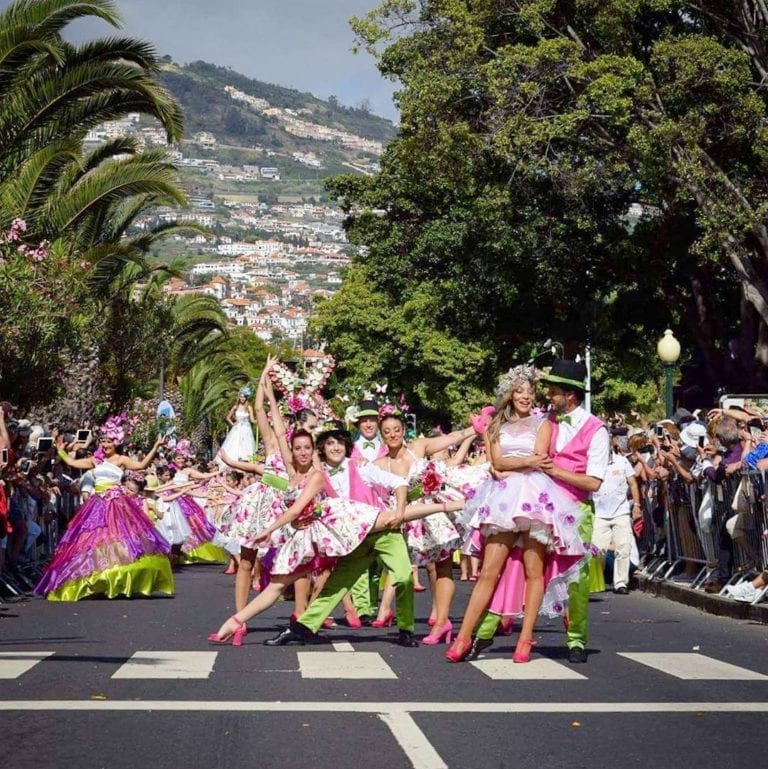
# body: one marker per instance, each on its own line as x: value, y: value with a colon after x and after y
x: 359, y: 490
x: 573, y: 456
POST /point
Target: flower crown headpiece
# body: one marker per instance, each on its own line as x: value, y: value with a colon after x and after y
x: 114, y: 429
x: 516, y: 376
x: 184, y: 449
x: 246, y: 391
x: 390, y: 410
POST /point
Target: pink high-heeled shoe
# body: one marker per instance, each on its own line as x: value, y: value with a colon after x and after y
x: 520, y: 655
x: 352, y: 619
x: 235, y: 635
x: 389, y: 618
x: 434, y: 638
x: 459, y: 650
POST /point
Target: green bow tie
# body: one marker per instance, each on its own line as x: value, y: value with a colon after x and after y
x: 369, y: 444
x: 336, y: 470
x: 564, y: 418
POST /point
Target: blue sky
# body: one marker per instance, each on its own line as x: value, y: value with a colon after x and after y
x: 303, y: 44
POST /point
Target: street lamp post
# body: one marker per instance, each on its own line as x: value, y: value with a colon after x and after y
x: 668, y: 349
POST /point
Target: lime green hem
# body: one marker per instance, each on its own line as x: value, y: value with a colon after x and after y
x: 150, y: 574
x: 207, y: 553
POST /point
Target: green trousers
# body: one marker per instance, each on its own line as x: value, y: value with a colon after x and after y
x: 578, y: 592
x: 578, y: 597
x: 390, y: 547
x: 365, y: 592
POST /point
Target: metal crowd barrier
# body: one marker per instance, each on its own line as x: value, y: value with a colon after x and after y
x: 689, y: 527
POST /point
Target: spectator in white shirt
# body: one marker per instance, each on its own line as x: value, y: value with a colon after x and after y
x: 614, y: 516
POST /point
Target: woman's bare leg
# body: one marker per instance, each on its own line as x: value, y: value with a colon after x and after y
x: 262, y: 602
x: 301, y: 589
x: 497, y: 549
x: 534, y: 556
x: 243, y: 577
x: 444, y: 591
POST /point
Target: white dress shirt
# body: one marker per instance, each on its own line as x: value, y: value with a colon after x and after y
x: 369, y: 453
x: 599, y: 451
x: 370, y: 474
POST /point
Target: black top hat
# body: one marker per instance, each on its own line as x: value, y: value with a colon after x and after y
x: 567, y: 373
x: 367, y: 408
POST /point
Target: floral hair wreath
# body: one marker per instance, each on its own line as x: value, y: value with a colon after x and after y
x: 390, y: 410
x: 184, y: 449
x: 246, y: 391
x: 515, y: 377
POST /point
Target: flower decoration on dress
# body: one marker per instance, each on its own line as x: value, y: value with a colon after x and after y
x: 515, y: 377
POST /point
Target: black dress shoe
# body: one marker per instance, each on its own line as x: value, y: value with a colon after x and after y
x: 621, y: 591
x: 405, y: 638
x: 295, y: 635
x: 479, y: 645
x: 576, y: 655
x: 365, y: 619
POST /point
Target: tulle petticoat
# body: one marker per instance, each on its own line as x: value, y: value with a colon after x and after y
x: 525, y: 502
x: 109, y: 531
x: 340, y: 527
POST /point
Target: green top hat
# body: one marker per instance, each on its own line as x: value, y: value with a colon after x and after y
x: 568, y: 373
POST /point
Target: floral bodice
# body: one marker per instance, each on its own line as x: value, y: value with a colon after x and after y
x: 242, y: 416
x: 517, y: 438
x: 309, y: 512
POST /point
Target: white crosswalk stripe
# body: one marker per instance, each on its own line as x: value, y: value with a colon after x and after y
x: 348, y: 665
x: 694, y: 667
x: 14, y: 664
x: 539, y: 669
x: 168, y: 665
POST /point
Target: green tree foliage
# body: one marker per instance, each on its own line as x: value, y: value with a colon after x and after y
x: 529, y: 130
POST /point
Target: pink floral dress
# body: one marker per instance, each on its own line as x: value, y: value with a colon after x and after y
x: 327, y: 529
x: 435, y: 537
x: 258, y: 506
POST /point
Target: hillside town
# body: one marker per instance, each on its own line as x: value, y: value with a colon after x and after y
x: 266, y: 262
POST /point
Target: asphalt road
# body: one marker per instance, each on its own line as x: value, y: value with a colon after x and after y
x: 133, y: 683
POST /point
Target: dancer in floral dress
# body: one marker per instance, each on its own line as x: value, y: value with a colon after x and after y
x: 528, y: 527
x: 434, y: 538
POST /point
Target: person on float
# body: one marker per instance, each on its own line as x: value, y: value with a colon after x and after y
x: 240, y: 443
x: 525, y: 525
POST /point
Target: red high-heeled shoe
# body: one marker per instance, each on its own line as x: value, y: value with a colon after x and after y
x: 235, y: 635
x: 438, y: 631
x: 520, y: 655
x: 352, y: 619
x: 459, y: 650
x: 329, y: 623
x: 389, y: 618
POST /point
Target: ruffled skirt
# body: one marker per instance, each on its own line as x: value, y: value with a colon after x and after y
x: 239, y: 443
x: 431, y: 539
x: 173, y: 525
x: 338, y: 530
x: 258, y: 507
x: 110, y: 548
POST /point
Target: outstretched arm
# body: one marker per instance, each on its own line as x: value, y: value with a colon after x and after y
x: 314, y: 484
x: 267, y: 434
x: 429, y: 446
x: 461, y: 453
x: 247, y: 467
x: 132, y: 464
x: 87, y: 463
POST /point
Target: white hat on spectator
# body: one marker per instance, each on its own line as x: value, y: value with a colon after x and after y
x: 691, y: 433
x: 24, y: 427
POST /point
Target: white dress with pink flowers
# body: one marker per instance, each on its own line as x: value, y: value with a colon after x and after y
x: 526, y: 501
x: 435, y: 537
x: 258, y: 506
x: 327, y: 529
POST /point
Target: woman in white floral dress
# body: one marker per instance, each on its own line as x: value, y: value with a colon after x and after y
x: 310, y: 535
x: 434, y: 538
